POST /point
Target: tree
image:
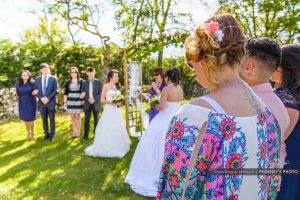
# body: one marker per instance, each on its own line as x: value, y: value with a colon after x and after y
x: 82, y: 15
x: 150, y: 25
x: 277, y: 19
x: 10, y: 64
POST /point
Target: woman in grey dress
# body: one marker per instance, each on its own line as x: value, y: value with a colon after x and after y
x: 72, y: 100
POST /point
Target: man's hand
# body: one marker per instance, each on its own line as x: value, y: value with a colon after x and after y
x: 44, y: 100
x: 91, y: 100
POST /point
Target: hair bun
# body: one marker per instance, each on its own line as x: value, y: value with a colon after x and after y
x: 201, y: 33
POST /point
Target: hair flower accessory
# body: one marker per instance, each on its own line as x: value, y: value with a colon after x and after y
x: 214, y: 26
x: 219, y: 35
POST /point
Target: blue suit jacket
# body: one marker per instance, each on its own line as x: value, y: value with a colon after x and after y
x: 51, y: 90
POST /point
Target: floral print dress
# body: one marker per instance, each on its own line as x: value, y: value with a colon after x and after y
x: 190, y: 167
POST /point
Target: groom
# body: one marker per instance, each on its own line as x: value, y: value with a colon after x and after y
x: 91, y: 93
x: 46, y: 87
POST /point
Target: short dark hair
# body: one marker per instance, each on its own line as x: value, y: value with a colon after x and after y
x: 44, y: 65
x: 265, y: 50
x: 90, y: 69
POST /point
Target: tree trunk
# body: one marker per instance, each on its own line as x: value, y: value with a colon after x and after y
x: 160, y: 58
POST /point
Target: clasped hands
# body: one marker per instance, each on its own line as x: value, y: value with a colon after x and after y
x: 44, y: 100
x: 91, y: 100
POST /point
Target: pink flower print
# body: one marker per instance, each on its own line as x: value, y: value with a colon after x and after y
x: 261, y: 119
x: 228, y: 128
x: 177, y: 131
x: 263, y: 150
x: 234, y: 197
x: 159, y: 195
x: 212, y: 26
x: 234, y: 162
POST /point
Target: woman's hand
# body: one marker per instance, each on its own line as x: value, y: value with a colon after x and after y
x: 82, y: 95
x: 154, y: 86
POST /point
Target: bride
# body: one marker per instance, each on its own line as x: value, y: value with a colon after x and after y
x: 146, y: 163
x: 111, y: 138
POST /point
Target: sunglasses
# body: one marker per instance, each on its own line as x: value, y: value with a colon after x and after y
x: 190, y: 65
x: 73, y: 72
x: 155, y: 74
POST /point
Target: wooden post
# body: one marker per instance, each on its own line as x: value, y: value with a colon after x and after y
x: 125, y: 59
x: 141, y: 99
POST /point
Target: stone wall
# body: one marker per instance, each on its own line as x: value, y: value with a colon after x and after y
x: 8, y: 103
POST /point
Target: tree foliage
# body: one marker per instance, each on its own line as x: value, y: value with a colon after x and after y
x: 277, y: 19
x: 149, y: 26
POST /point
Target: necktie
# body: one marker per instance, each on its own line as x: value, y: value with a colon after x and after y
x: 45, y: 86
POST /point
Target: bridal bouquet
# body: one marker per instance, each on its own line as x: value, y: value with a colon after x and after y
x: 154, y: 101
x: 118, y: 100
x: 146, y: 88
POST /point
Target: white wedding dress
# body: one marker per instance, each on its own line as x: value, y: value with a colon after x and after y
x: 145, y: 166
x: 111, y: 137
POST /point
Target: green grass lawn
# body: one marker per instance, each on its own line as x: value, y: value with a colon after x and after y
x: 58, y: 170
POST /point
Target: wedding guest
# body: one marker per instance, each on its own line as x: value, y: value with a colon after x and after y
x: 111, y: 137
x: 143, y: 174
x: 288, y: 76
x: 46, y: 86
x: 72, y: 99
x: 27, y: 102
x: 91, y: 93
x: 156, y: 89
x: 261, y: 60
x: 228, y: 129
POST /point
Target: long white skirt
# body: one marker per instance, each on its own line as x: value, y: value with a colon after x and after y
x: 143, y: 175
x: 111, y: 137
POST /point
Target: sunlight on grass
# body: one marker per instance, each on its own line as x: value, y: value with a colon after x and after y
x: 58, y: 170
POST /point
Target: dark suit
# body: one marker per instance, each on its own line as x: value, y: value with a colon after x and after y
x: 47, y: 110
x: 89, y: 108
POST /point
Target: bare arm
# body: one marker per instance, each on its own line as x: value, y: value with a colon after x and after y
x: 103, y: 95
x: 65, y: 99
x: 294, y: 116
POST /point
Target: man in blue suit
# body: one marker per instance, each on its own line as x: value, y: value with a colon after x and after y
x: 46, y: 88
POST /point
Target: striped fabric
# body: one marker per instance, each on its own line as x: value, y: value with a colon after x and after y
x: 74, y: 103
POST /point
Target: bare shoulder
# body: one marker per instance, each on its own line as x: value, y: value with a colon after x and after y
x: 201, y: 103
x: 105, y: 86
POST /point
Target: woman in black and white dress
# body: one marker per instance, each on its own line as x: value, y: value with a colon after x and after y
x: 72, y: 100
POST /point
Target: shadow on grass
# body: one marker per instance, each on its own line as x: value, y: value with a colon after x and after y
x: 60, y: 170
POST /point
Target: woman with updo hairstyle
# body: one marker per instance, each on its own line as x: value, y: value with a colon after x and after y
x: 143, y: 174
x: 172, y: 75
x: 212, y: 138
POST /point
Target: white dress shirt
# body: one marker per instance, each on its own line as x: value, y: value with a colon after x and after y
x: 91, y: 89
